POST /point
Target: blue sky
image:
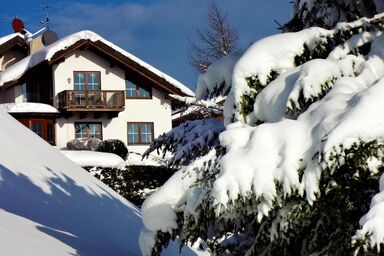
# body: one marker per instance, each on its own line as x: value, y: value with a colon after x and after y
x: 157, y: 31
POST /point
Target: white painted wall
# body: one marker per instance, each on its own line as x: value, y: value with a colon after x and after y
x: 111, y: 78
x: 156, y: 110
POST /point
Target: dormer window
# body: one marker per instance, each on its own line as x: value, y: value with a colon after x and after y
x: 137, y: 91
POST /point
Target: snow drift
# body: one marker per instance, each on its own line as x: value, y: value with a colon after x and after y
x: 51, y: 206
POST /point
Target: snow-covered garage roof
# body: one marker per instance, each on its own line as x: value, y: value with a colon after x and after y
x: 28, y: 107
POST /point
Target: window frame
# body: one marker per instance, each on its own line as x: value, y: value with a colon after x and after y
x: 86, y: 79
x: 87, y: 132
x: 147, y: 88
x: 139, y: 133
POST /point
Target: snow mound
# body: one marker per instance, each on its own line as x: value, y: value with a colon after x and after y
x: 135, y: 158
x: 51, y: 206
x: 86, y: 158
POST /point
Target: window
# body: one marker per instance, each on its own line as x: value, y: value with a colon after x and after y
x: 86, y: 80
x: 45, y: 128
x: 88, y: 130
x: 140, y: 133
x: 36, y: 128
x: 130, y: 89
x: 135, y: 91
x: 24, y: 93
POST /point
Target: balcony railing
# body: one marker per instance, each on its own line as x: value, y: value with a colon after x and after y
x: 105, y: 100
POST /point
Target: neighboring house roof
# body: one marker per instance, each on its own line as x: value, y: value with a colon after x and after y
x: 28, y: 107
x: 83, y: 39
x: 9, y: 41
x: 193, y: 109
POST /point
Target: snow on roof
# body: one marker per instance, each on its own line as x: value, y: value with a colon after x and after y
x: 17, y: 70
x: 6, y: 38
x: 28, y: 107
x: 51, y: 206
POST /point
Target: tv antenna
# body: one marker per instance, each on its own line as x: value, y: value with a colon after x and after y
x: 46, y: 21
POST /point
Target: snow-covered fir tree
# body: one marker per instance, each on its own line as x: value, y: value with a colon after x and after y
x: 195, y: 138
x: 327, y: 14
x: 300, y: 163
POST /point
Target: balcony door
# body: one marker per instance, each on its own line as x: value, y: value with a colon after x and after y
x: 87, y: 87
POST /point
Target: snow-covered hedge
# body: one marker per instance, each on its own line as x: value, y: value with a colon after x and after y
x: 303, y: 153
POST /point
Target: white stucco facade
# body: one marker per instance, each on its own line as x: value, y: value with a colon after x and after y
x: 156, y: 110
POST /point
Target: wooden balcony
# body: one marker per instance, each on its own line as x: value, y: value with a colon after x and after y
x: 104, y: 100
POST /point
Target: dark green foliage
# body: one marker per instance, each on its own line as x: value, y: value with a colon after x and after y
x: 131, y: 181
x: 326, y: 13
x: 114, y: 146
x: 302, y: 104
x: 218, y: 90
x: 248, y: 99
x: 246, y: 104
x: 319, y: 51
x: 184, y: 141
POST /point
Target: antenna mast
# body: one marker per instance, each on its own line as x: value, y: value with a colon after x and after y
x: 46, y: 21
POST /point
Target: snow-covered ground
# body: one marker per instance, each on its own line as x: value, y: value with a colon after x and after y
x: 51, y: 206
x: 137, y: 159
x: 86, y: 158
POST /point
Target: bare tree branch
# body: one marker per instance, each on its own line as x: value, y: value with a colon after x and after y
x: 217, y: 41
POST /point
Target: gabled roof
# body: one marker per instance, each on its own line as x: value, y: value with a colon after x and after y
x: 88, y: 39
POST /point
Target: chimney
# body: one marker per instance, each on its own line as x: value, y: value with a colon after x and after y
x: 36, y: 44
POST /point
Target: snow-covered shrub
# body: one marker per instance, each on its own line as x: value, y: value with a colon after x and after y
x: 301, y: 164
x: 135, y: 182
x: 113, y: 146
x: 83, y: 144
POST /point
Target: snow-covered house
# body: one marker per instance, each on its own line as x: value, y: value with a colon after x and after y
x: 89, y: 87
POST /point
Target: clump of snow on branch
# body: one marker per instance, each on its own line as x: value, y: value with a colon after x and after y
x: 260, y: 64
x: 217, y: 80
x: 188, y: 141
